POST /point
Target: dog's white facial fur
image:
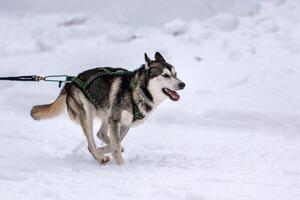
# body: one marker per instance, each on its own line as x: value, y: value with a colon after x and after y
x: 157, y: 84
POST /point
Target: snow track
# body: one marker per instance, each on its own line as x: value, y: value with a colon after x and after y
x: 233, y: 135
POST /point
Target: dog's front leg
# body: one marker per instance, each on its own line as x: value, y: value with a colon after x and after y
x: 115, y: 140
x: 124, y: 131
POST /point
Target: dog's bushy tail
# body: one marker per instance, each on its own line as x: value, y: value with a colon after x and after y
x: 39, y: 112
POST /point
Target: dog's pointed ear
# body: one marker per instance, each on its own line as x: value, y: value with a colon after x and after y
x: 148, y: 61
x: 159, y: 58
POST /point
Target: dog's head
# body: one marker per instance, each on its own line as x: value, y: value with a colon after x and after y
x: 163, y: 80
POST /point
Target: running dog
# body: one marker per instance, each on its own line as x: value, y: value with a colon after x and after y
x: 120, y: 98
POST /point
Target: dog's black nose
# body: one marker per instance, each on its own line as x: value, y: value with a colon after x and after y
x: 181, y: 85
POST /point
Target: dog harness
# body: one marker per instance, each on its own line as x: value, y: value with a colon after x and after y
x: 84, y: 87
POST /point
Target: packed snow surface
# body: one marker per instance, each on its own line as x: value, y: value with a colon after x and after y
x: 136, y: 12
x: 234, y: 134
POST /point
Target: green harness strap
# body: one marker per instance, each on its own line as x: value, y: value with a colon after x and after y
x: 137, y: 114
x: 84, y: 87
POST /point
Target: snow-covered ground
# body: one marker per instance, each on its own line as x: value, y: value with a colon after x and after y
x: 233, y: 135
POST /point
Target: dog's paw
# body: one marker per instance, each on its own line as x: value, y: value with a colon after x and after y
x: 119, y: 159
x: 104, y: 160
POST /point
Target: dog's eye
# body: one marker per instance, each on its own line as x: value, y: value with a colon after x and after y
x: 166, y: 75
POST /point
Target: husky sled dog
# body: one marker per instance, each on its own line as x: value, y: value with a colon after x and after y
x: 120, y: 98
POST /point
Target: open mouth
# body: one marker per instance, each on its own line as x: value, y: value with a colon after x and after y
x: 173, y: 95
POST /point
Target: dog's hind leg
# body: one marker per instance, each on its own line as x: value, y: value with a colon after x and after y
x: 87, y: 126
x: 115, y: 141
x: 103, y: 136
x: 106, y: 149
x: 103, y: 133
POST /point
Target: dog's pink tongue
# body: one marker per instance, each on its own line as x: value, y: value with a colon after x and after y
x: 175, y: 95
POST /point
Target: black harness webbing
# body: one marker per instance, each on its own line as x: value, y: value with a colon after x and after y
x: 84, y: 87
